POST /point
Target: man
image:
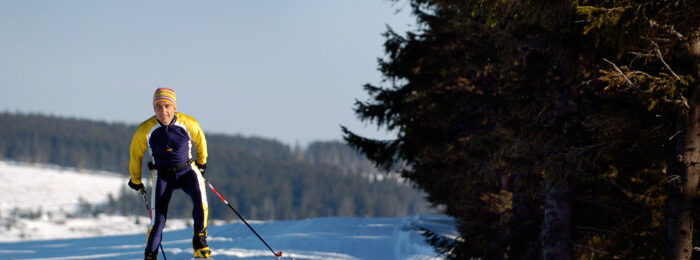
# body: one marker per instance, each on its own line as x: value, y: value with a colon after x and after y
x: 168, y: 136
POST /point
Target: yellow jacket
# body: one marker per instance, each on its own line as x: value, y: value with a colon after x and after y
x: 169, y: 145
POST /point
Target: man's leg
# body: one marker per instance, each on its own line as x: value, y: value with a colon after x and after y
x: 193, y: 184
x: 160, y: 198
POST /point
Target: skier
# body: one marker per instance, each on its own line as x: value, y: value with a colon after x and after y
x: 168, y: 136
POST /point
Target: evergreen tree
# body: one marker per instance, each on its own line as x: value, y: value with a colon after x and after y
x: 517, y: 118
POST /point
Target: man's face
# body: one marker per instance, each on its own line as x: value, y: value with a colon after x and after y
x: 164, y: 111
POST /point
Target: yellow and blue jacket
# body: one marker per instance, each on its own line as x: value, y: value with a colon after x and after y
x: 169, y: 145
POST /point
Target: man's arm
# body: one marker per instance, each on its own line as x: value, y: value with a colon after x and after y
x: 201, y: 142
x: 197, y: 136
x: 138, y: 148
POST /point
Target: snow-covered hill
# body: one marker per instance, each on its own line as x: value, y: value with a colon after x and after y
x: 43, y: 202
x: 53, y: 188
x: 37, y: 222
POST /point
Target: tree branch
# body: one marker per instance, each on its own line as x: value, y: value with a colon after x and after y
x: 590, y: 248
x: 629, y: 82
x: 675, y: 134
x: 661, y: 57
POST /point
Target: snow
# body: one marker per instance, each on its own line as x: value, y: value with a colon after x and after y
x: 53, y: 194
x: 319, y: 238
x: 53, y: 188
x: 55, y: 235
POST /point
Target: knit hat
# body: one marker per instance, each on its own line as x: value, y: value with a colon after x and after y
x: 165, y: 94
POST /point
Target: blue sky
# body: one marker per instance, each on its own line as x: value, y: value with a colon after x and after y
x: 288, y: 70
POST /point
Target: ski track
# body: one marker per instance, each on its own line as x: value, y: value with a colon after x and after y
x: 120, y: 237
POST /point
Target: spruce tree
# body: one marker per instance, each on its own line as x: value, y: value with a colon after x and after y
x: 544, y: 127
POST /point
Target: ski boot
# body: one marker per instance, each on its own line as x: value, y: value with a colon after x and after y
x: 199, y: 244
x: 150, y: 256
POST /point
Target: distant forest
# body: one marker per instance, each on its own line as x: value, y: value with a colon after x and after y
x: 262, y: 178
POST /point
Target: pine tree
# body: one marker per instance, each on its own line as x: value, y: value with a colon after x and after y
x: 524, y: 116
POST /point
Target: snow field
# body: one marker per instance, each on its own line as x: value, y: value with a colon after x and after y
x: 319, y: 238
x: 52, y: 195
x: 53, y: 189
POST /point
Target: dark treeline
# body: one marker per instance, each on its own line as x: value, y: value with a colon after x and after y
x: 336, y: 154
x: 263, y: 179
x: 68, y: 142
x: 548, y: 129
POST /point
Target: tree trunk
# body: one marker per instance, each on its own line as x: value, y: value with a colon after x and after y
x: 525, y: 223
x: 558, y: 198
x: 683, y: 174
x: 556, y: 228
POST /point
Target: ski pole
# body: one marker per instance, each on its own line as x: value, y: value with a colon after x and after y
x: 148, y: 209
x: 278, y: 254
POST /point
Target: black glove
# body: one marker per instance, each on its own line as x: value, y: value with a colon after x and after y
x: 136, y: 187
x: 202, y: 168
